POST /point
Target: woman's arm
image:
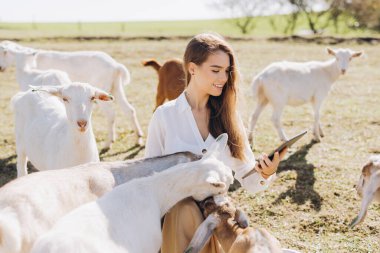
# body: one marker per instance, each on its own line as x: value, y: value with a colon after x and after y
x: 155, y: 140
x: 257, y: 181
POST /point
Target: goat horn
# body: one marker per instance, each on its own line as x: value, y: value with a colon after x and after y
x: 203, y: 233
x: 241, y: 218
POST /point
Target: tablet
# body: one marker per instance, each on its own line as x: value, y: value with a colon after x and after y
x: 285, y: 144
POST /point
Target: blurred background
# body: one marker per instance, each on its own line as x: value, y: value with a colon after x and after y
x: 312, y: 201
x: 238, y: 18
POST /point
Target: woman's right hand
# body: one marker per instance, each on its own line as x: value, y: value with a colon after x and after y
x: 267, y: 167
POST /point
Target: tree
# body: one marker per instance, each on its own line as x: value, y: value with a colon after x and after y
x: 242, y: 12
x: 308, y: 8
x: 291, y: 22
x: 366, y: 13
x: 336, y: 10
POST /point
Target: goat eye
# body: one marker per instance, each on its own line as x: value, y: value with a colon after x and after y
x: 65, y: 99
x: 92, y: 98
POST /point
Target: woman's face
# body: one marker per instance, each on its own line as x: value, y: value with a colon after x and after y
x: 211, y: 76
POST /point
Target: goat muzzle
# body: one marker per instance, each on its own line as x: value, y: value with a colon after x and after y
x: 82, y: 125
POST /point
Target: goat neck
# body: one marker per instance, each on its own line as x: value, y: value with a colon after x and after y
x: 125, y: 171
x: 331, y: 67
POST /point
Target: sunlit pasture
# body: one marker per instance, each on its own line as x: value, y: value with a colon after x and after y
x: 312, y: 201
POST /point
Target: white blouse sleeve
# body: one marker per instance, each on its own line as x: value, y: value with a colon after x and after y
x: 255, y: 182
x: 155, y: 141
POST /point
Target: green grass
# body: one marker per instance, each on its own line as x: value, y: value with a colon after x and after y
x: 263, y: 28
x: 312, y: 202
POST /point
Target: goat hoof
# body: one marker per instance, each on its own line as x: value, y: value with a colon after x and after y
x: 250, y: 140
x: 316, y: 139
x: 140, y: 141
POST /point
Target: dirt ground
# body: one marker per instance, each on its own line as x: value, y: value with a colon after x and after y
x: 313, y: 200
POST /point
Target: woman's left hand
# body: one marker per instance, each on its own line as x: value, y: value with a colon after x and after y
x: 266, y: 167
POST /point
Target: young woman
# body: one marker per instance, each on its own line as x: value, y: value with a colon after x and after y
x: 206, y: 109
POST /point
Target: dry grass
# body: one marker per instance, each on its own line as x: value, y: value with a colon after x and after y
x: 312, y: 201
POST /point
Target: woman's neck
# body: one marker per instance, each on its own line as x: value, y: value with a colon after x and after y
x: 196, y: 98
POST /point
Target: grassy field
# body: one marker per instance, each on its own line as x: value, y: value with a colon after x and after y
x: 311, y: 203
x: 263, y: 28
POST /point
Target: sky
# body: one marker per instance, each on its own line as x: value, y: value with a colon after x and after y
x: 112, y: 10
x: 105, y: 10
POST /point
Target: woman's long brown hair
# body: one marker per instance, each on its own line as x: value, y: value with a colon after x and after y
x: 223, y: 108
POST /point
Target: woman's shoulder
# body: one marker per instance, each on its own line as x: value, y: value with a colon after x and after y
x: 171, y: 106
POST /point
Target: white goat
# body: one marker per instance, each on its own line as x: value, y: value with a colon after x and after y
x: 26, y: 74
x: 368, y: 187
x: 294, y: 83
x: 98, y: 69
x: 122, y: 221
x: 30, y: 205
x: 54, y: 134
x: 230, y: 226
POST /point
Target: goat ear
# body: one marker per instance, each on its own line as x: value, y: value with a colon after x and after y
x: 218, y: 184
x: 203, y: 234
x: 101, y: 95
x: 366, y: 168
x: 330, y: 51
x: 241, y: 218
x: 218, y: 146
x: 222, y: 139
x: 53, y: 90
x: 356, y: 54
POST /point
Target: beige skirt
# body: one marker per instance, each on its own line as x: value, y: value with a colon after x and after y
x: 179, y: 226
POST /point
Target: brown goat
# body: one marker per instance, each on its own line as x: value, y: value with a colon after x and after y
x: 171, y: 79
x: 368, y: 187
x: 230, y: 226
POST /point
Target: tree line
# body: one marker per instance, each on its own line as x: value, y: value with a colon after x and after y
x: 319, y: 14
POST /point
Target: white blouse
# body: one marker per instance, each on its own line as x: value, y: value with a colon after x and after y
x: 173, y: 129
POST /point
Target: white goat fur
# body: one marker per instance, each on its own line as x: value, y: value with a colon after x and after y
x: 293, y: 83
x: 98, y: 69
x: 124, y: 221
x: 368, y: 187
x: 30, y: 205
x: 53, y: 134
x: 26, y: 74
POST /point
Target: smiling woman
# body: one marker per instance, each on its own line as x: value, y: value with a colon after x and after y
x: 206, y: 109
x: 207, y: 62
